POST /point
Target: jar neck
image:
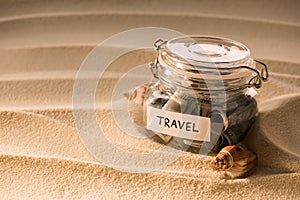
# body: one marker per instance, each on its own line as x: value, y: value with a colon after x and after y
x: 212, y: 86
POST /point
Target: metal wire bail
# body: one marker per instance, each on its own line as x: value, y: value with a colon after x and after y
x: 153, y: 68
x: 263, y: 75
x: 158, y: 43
x: 264, y: 71
x: 153, y: 65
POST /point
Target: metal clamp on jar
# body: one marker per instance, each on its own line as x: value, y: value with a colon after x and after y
x: 202, y: 94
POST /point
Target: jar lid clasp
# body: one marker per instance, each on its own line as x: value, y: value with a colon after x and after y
x: 153, y: 65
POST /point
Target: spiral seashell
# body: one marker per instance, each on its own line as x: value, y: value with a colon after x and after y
x: 137, y: 96
x: 136, y: 102
x: 235, y: 161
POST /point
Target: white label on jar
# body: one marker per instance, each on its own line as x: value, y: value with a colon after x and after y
x: 178, y: 124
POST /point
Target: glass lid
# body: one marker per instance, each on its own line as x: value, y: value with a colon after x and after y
x: 209, y: 50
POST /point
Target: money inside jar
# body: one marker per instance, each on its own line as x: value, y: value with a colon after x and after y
x: 202, y: 94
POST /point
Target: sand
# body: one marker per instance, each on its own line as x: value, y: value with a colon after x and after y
x: 42, y: 45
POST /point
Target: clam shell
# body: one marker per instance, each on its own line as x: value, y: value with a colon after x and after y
x: 235, y: 161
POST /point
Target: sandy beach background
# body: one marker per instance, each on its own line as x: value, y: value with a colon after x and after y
x: 42, y: 45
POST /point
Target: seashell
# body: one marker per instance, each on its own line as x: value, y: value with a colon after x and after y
x: 136, y: 102
x: 137, y: 96
x: 235, y: 161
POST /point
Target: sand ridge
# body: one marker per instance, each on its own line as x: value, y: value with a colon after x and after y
x: 42, y: 45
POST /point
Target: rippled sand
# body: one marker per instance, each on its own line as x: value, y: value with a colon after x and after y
x: 42, y: 45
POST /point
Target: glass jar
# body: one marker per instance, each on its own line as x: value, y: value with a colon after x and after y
x: 202, y: 97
